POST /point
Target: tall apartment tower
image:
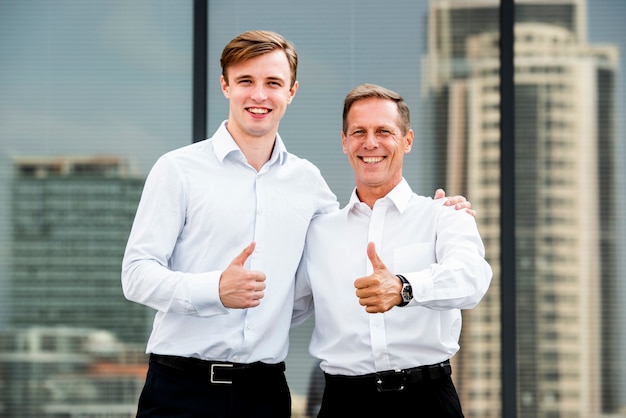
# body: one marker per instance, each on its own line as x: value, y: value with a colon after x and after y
x: 565, y: 186
x: 71, y: 217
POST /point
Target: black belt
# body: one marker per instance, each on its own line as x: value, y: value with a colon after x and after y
x: 395, y: 380
x: 216, y: 372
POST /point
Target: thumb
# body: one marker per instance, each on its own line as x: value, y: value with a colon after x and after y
x: 377, y: 263
x: 240, y: 260
x: 440, y: 194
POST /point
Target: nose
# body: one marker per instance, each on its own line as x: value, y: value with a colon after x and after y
x: 370, y: 141
x: 258, y: 93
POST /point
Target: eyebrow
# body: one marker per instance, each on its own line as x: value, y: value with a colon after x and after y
x: 377, y: 127
x: 271, y: 78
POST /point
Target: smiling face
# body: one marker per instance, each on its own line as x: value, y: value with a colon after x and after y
x: 375, y: 146
x: 259, y: 91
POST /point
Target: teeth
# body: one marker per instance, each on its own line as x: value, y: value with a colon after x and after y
x: 258, y: 111
x: 372, y: 160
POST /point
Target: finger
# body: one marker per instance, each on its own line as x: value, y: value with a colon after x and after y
x: 440, y: 194
x: 374, y: 309
x: 362, y: 292
x: 363, y: 301
x: 240, y: 260
x: 456, y: 200
x: 377, y: 263
x: 361, y: 283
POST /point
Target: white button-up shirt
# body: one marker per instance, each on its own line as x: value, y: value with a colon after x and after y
x: 437, y: 248
x: 201, y: 206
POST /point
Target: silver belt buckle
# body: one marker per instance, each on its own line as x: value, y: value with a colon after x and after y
x: 221, y: 382
x: 391, y: 381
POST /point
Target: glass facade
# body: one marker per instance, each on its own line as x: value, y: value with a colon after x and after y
x: 91, y: 93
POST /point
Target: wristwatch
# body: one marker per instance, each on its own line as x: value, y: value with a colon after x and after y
x: 407, y: 291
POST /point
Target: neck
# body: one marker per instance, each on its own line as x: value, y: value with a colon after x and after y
x: 257, y: 154
x: 369, y: 194
x: 257, y: 150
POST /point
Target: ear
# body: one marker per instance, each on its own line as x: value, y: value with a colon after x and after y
x: 344, y: 142
x: 409, y: 141
x: 225, y: 87
x: 292, y: 92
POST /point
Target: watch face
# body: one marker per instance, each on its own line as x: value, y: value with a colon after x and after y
x: 407, y: 293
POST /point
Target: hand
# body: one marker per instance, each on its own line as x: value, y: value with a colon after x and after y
x: 379, y: 291
x: 239, y: 287
x: 459, y: 202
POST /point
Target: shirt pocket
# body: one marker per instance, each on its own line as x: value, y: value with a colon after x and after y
x: 413, y: 257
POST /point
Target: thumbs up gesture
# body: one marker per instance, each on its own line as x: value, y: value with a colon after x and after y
x: 239, y: 287
x: 380, y: 291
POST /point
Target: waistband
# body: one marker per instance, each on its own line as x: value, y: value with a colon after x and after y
x: 216, y: 372
x: 395, y: 380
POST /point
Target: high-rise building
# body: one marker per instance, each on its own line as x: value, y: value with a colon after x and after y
x: 71, y: 217
x: 565, y: 142
x: 74, y: 345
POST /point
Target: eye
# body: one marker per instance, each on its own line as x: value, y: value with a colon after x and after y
x: 275, y: 83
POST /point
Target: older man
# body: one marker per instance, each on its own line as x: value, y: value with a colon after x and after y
x: 388, y: 276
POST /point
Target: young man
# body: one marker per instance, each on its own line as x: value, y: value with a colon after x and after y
x: 216, y: 349
x: 215, y: 244
x: 386, y: 326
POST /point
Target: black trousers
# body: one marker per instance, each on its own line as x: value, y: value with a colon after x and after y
x: 169, y: 392
x: 360, y: 398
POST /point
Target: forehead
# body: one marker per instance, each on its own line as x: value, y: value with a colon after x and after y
x: 373, y: 111
x: 273, y: 64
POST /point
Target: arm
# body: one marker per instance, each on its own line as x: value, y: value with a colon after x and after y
x: 458, y: 280
x: 147, y: 276
x: 460, y: 276
x: 303, y: 306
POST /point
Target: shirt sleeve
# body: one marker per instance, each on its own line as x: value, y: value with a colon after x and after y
x: 303, y: 306
x: 326, y: 201
x: 146, y: 277
x: 461, y: 275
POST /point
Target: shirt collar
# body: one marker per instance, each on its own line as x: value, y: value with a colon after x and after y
x: 399, y: 196
x: 224, y: 144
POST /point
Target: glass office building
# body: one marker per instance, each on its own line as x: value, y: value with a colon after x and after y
x: 73, y: 343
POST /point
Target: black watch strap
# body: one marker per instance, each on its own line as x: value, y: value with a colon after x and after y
x: 407, y: 291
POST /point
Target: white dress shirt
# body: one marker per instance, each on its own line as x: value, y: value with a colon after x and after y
x: 201, y: 206
x: 437, y: 248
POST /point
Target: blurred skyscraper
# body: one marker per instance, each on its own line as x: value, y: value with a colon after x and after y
x: 72, y: 338
x: 566, y: 224
x: 70, y: 219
